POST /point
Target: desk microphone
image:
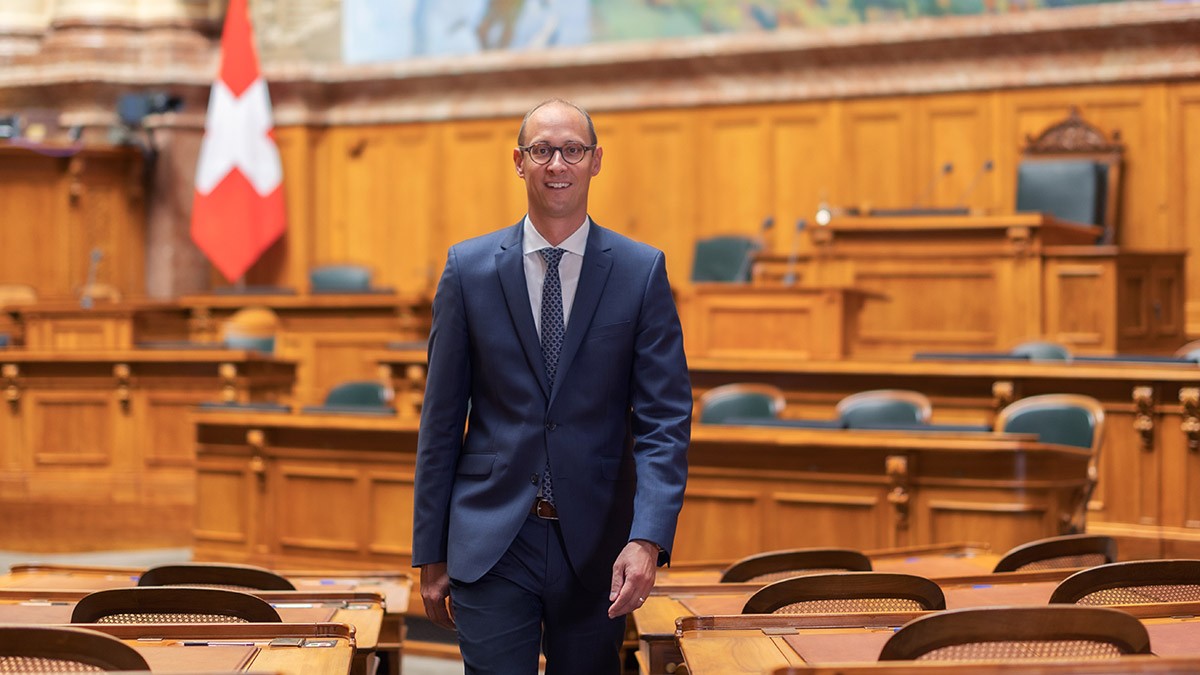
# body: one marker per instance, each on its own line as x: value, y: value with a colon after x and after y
x: 946, y: 170
x: 966, y: 194
x: 747, y: 267
x: 789, y: 277
x: 85, y: 300
x: 767, y: 224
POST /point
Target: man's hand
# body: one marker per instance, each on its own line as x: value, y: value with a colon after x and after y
x: 435, y: 592
x: 633, y: 577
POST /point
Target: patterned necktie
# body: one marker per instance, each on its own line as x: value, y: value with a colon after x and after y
x: 553, y: 329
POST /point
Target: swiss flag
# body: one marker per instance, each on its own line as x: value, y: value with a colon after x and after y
x: 238, y: 209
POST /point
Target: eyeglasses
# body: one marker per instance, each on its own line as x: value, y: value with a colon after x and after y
x: 542, y: 153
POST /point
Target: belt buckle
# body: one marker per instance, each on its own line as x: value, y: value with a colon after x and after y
x: 545, y: 510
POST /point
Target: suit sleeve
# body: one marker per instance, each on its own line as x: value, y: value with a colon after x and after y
x: 443, y: 418
x: 661, y: 414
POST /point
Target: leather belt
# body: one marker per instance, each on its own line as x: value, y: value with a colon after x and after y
x: 544, y: 510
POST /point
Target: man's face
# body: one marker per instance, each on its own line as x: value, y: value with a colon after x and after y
x: 557, y: 189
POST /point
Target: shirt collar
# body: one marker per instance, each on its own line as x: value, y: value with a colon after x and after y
x: 576, y: 243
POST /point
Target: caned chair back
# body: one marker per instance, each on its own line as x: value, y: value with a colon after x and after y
x: 742, y: 401
x: 64, y: 649
x: 776, y: 565
x: 1064, y: 552
x: 1137, y: 582
x: 215, y: 575
x: 992, y: 634
x: 847, y: 592
x: 173, y: 604
x: 884, y: 406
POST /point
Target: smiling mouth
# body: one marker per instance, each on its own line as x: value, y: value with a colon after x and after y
x: 558, y: 186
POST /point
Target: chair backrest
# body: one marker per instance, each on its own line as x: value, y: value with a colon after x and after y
x: 1018, y: 634
x: 1066, y: 419
x: 1137, y: 582
x: 62, y: 649
x: 1067, y: 551
x: 776, y: 565
x: 218, y: 575
x: 251, y: 328
x: 725, y: 258
x: 847, y: 592
x: 1072, y: 170
x: 173, y: 604
x: 365, y: 393
x: 743, y: 400
x: 1190, y: 351
x: 17, y: 294
x: 340, y: 278
x: 1041, y: 350
x: 884, y: 406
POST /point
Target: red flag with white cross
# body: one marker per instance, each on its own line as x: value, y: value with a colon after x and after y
x: 238, y: 208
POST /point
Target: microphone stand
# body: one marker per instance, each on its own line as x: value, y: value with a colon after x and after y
x: 789, y: 277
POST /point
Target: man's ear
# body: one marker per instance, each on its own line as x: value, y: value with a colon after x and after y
x: 518, y: 158
x: 597, y: 154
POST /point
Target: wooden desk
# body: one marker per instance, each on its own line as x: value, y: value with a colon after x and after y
x: 1152, y: 437
x: 328, y: 648
x: 797, y: 322
x: 328, y: 335
x: 763, y: 643
x: 37, y: 580
x: 1124, y: 666
x: 997, y: 280
x: 96, y: 447
x: 58, y: 326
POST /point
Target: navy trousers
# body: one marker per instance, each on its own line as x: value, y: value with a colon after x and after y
x: 531, y: 598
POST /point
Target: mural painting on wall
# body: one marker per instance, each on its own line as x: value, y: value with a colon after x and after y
x: 387, y: 30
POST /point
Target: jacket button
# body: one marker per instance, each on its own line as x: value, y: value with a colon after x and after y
x: 551, y: 426
x: 534, y: 479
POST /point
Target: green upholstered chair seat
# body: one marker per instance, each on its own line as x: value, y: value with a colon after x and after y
x: 724, y: 258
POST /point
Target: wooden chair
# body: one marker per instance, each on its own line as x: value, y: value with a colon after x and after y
x: 1138, y: 582
x: 1018, y: 633
x: 1067, y: 419
x: 172, y: 605
x: 742, y: 401
x: 847, y: 592
x: 880, y: 407
x: 64, y: 649
x: 776, y: 565
x: 213, y: 575
x: 1042, y: 350
x: 251, y: 328
x: 1055, y: 553
x: 1072, y: 170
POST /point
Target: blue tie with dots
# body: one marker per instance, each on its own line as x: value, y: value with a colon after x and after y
x: 553, y: 329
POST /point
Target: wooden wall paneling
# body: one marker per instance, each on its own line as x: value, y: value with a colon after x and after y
x: 805, y: 169
x: 31, y: 204
x: 304, y: 501
x: 228, y: 527
x: 286, y: 262
x: 1081, y: 304
x: 611, y: 197
x: 74, y: 429
x: 720, y: 520
x: 829, y: 514
x: 166, y: 437
x: 957, y: 130
x: 878, y: 143
x: 1183, y: 200
x: 1005, y: 525
x: 389, y: 517
x: 736, y: 183
x: 108, y: 215
x: 477, y: 183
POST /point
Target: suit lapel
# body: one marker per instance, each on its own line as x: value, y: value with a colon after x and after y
x: 510, y: 265
x: 596, y: 265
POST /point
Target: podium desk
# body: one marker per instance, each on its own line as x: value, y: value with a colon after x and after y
x: 61, y: 325
x: 97, y: 447
x: 329, y: 335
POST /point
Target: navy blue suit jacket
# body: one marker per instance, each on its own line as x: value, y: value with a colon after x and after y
x: 615, y: 427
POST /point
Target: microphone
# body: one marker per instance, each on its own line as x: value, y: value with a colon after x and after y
x: 768, y: 224
x: 946, y: 170
x: 966, y: 194
x: 789, y: 277
x: 747, y: 269
x: 85, y: 300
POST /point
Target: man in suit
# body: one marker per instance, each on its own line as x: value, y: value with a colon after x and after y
x: 560, y: 341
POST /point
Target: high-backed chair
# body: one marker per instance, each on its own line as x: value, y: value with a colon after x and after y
x: 340, y: 279
x: 175, y: 604
x: 847, y: 592
x: 724, y: 258
x: 881, y: 407
x: 1064, y: 552
x: 64, y: 649
x: 990, y: 634
x: 1041, y: 350
x: 1137, y: 582
x: 222, y: 575
x: 776, y: 565
x: 1072, y: 170
x: 1067, y: 419
x: 1190, y: 351
x: 741, y: 401
x: 251, y: 328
